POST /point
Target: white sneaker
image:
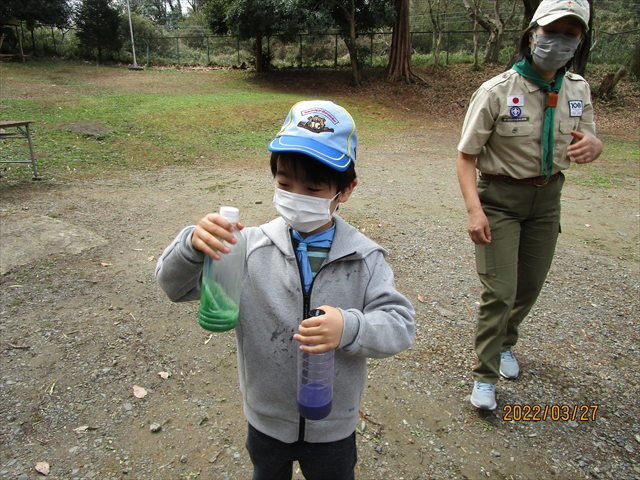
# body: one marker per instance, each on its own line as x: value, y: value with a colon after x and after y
x: 509, y: 367
x: 484, y: 396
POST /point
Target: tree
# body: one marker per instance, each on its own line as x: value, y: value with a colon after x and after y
x: 164, y: 12
x: 215, y: 13
x: 354, y: 16
x: 494, y: 24
x: 634, y: 65
x: 98, y: 27
x: 256, y: 19
x: 437, y: 13
x: 259, y: 18
x: 56, y: 13
x: 399, y: 67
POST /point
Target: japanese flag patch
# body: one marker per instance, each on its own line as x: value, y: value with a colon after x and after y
x: 515, y: 100
x: 575, y: 108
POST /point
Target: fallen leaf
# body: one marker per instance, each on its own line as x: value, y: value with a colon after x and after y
x: 81, y: 429
x: 42, y: 467
x: 105, y: 264
x: 139, y: 392
x: 164, y: 375
x: 420, y: 298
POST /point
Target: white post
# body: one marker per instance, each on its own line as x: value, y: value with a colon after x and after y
x: 133, y: 47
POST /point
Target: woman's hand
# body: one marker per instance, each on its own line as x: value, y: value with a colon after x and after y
x: 211, y: 233
x: 586, y: 149
x: 478, y: 227
x: 324, y: 331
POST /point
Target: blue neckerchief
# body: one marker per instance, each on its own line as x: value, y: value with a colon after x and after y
x: 319, y: 240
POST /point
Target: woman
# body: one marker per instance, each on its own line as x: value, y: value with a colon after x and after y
x: 522, y: 129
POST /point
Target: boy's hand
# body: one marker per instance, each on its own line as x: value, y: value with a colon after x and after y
x: 324, y: 331
x: 210, y: 233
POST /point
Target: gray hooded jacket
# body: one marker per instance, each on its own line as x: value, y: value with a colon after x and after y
x: 355, y: 277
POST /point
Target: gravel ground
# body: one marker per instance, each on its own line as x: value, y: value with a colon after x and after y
x: 80, y: 331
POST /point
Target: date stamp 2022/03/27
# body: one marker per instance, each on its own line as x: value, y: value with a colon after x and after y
x: 542, y: 413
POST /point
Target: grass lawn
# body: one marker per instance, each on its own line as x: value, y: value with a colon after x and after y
x: 159, y: 117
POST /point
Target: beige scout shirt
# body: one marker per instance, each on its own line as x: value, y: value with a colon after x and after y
x: 504, y: 124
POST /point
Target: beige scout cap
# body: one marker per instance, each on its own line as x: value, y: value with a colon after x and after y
x: 551, y: 10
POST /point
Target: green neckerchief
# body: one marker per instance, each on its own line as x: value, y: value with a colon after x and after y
x: 524, y: 68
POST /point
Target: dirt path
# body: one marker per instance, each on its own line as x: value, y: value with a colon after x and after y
x: 79, y: 331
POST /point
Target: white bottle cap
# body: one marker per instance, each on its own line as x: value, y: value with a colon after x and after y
x: 230, y: 213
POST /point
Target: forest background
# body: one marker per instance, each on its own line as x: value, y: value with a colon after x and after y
x: 268, y: 34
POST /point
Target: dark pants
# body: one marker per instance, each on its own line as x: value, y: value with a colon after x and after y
x: 525, y: 222
x: 273, y: 459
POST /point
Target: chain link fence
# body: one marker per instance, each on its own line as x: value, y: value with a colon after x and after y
x: 328, y: 50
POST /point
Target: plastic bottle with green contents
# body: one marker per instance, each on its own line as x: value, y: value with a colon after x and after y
x: 222, y: 282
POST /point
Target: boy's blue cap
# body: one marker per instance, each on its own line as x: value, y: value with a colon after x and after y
x: 320, y: 129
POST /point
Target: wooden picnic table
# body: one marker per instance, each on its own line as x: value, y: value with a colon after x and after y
x: 21, y: 131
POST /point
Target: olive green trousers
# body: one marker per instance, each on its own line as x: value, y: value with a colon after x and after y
x: 525, y: 223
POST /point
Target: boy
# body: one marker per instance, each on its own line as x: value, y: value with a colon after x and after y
x: 305, y: 259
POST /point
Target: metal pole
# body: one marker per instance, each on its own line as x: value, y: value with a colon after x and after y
x: 133, y: 47
x: 208, y: 51
x: 178, y: 49
x: 335, y: 58
x: 300, y: 51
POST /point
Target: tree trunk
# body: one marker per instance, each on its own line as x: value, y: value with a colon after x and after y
x: 634, y: 65
x: 53, y: 37
x: 610, y: 81
x: 33, y: 42
x: 530, y: 7
x: 259, y: 53
x: 399, y: 68
x: 492, y: 53
x: 437, y: 42
x: 356, y: 68
x: 475, y: 44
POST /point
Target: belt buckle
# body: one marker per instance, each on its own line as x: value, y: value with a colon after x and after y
x: 546, y: 180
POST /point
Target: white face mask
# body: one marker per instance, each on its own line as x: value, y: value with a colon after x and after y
x: 303, y: 212
x: 552, y: 51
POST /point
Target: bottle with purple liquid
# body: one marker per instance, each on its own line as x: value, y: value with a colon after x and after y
x: 315, y: 381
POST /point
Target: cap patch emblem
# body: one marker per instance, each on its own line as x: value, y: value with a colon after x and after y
x: 317, y: 123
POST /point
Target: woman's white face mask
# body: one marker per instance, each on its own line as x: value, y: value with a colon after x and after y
x: 303, y: 212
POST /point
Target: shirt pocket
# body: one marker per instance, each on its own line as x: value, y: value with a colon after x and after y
x: 562, y: 139
x: 514, y: 141
x: 508, y: 129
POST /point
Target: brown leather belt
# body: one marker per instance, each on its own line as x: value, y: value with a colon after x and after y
x: 537, y: 181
